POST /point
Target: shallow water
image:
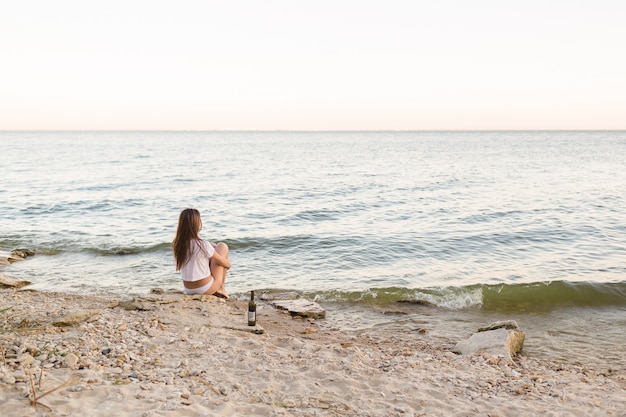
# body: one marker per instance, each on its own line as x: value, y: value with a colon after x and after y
x: 345, y: 211
x: 592, y: 337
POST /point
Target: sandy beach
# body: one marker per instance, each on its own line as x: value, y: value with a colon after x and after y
x: 173, y: 355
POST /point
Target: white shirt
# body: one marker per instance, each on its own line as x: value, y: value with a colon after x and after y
x: 197, y: 266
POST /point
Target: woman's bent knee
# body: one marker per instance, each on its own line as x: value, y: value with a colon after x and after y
x: 222, y: 249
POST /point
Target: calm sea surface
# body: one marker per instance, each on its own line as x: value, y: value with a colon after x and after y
x: 480, y: 221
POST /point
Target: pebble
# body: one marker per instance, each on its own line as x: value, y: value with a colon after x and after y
x: 20, y: 376
x: 288, y: 403
x: 70, y: 360
x: 8, y: 379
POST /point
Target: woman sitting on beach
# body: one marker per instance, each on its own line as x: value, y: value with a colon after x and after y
x: 202, y: 264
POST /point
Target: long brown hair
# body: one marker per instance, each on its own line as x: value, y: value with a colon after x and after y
x: 189, y: 224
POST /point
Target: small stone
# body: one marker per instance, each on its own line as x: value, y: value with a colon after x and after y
x: 8, y: 379
x: 20, y: 376
x: 115, y: 370
x: 22, y: 252
x: 70, y: 360
x: 26, y: 359
x: 73, y: 318
x: 153, y: 332
x: 289, y: 403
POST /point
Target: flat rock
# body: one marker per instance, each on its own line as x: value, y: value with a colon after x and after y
x: 22, y: 253
x: 73, y: 318
x: 15, y: 255
x: 301, y: 308
x: 501, y: 341
x: 8, y: 258
x: 10, y: 282
x: 131, y: 305
x: 505, y: 324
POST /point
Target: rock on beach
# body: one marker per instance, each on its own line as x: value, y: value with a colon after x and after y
x: 294, y: 304
x: 8, y: 258
x: 502, y: 338
x: 15, y: 255
x: 10, y: 282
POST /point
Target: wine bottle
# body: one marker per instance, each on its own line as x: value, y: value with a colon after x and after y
x: 251, y: 310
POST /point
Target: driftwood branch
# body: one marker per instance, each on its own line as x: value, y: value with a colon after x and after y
x: 35, y: 401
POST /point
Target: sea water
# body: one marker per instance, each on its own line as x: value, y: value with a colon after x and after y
x: 504, y: 223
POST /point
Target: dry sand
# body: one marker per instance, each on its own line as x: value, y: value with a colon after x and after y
x: 174, y: 355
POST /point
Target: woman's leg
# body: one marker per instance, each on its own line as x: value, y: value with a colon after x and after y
x: 219, y: 272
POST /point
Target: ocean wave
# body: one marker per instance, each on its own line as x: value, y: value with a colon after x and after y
x: 130, y: 250
x: 538, y: 296
x: 60, y: 248
x: 277, y: 243
x: 547, y: 295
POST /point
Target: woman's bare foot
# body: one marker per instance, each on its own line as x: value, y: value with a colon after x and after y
x: 220, y: 294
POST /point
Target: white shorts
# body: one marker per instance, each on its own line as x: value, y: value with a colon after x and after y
x: 201, y: 290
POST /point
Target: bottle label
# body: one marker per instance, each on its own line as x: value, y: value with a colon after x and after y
x: 251, y: 316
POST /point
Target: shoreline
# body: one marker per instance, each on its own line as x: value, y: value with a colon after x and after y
x: 170, y: 354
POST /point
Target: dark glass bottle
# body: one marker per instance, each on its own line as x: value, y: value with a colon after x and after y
x: 251, y: 310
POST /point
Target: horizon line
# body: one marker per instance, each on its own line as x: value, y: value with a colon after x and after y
x: 310, y: 130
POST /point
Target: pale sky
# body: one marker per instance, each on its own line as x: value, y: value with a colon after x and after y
x: 315, y: 65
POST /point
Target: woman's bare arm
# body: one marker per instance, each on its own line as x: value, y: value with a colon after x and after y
x: 221, y: 260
